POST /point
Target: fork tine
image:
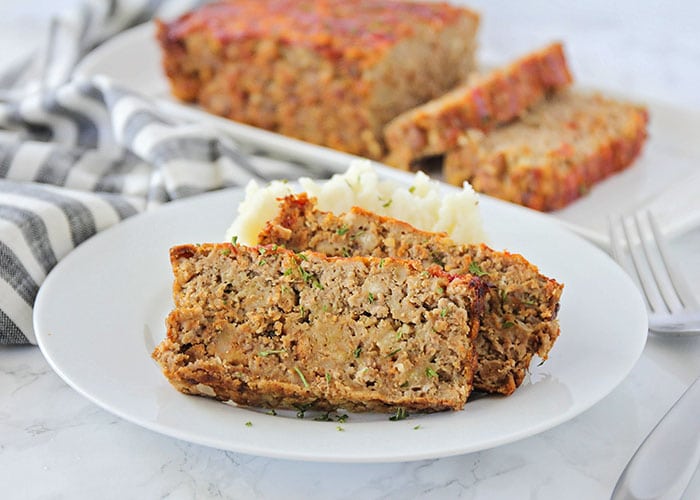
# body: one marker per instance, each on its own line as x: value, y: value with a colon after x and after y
x: 686, y: 296
x: 659, y: 267
x: 618, y: 243
x: 643, y: 269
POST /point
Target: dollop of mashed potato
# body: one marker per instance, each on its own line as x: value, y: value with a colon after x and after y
x: 422, y: 203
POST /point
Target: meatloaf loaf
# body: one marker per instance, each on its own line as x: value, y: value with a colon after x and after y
x: 269, y: 327
x: 520, y: 313
x: 331, y: 72
x: 485, y: 101
x: 552, y: 155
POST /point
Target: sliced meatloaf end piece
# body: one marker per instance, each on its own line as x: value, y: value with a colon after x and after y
x: 520, y: 314
x: 554, y: 154
x: 484, y: 102
x: 265, y: 326
x: 330, y: 72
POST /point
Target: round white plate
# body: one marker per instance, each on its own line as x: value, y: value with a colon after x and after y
x: 101, y: 311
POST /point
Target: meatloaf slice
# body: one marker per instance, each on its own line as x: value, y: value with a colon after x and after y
x: 484, y: 102
x: 554, y: 154
x: 331, y: 72
x: 269, y: 327
x: 519, y: 317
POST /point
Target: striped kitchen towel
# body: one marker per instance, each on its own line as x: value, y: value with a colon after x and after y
x: 77, y: 156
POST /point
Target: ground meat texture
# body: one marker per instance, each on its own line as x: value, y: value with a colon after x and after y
x: 269, y: 327
x: 519, y: 316
x: 331, y: 72
x: 486, y: 101
x: 554, y: 154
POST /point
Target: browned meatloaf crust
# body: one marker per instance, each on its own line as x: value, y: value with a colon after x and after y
x: 554, y: 154
x: 519, y: 318
x: 264, y: 326
x: 331, y: 72
x: 486, y: 101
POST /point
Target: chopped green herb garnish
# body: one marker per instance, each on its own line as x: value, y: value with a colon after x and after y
x: 301, y: 256
x: 416, y: 427
x: 400, y: 332
x: 324, y: 308
x: 339, y: 429
x: 441, y: 290
x: 262, y: 262
x: 249, y: 424
x: 381, y: 263
x: 394, y: 352
x: 262, y: 250
x: 358, y: 350
x: 226, y: 251
x: 288, y: 271
x: 508, y: 324
x: 357, y: 234
x: 301, y: 376
x: 274, y: 351
x: 387, y: 204
x: 328, y: 378
x: 370, y: 297
x: 443, y: 312
x: 401, y: 414
x: 234, y: 240
x: 429, y: 372
x: 272, y: 412
x: 301, y: 409
x: 342, y: 418
x: 504, y: 296
x: 342, y: 230
x: 317, y: 284
x: 412, y: 189
x: 324, y: 417
x: 474, y: 268
x: 437, y: 259
x: 346, y: 252
x: 305, y: 275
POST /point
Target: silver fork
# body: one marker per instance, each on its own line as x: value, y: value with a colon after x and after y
x: 667, y: 459
x: 638, y: 246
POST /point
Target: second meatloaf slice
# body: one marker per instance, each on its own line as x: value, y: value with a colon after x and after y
x: 520, y: 312
x: 269, y: 327
x: 486, y: 101
x: 554, y: 153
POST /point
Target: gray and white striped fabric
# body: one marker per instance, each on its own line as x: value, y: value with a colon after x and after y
x: 77, y: 156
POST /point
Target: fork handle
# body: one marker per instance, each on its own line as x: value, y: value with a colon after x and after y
x: 667, y: 459
x: 678, y: 323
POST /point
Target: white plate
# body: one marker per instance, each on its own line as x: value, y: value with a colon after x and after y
x: 669, y: 158
x: 101, y: 311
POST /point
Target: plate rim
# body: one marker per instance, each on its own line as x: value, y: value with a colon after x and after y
x: 45, y: 345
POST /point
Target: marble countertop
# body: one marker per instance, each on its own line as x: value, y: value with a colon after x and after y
x: 54, y: 443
